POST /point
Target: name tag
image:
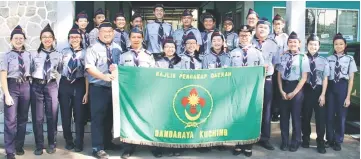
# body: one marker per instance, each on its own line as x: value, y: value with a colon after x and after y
x: 128, y: 60
x: 331, y: 61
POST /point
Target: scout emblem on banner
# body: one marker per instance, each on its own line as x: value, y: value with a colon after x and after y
x: 192, y: 105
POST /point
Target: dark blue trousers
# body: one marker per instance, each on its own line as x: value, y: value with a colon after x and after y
x: 311, y: 103
x: 101, y: 116
x: 44, y: 96
x: 336, y: 112
x: 16, y: 116
x: 293, y: 108
x: 70, y: 99
x: 266, y: 114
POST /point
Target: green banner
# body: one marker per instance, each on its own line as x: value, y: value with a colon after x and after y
x: 188, y: 108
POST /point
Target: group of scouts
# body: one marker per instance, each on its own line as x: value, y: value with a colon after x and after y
x: 304, y: 81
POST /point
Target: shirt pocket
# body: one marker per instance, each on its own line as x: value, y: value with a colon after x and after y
x: 237, y: 60
x: 102, y: 61
x: 13, y: 64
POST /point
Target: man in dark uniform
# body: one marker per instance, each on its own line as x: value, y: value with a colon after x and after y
x: 98, y: 59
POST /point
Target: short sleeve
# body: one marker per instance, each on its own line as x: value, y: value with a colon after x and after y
x: 3, y: 62
x: 353, y: 67
x: 326, y: 71
x: 90, y: 58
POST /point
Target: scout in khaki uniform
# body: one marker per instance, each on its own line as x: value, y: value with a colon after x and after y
x: 292, y: 75
x: 342, y: 69
x: 245, y: 55
x: 45, y: 68
x: 315, y: 92
x: 98, y: 59
x: 99, y: 17
x: 15, y: 77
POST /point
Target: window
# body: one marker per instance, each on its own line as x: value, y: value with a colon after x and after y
x: 326, y: 23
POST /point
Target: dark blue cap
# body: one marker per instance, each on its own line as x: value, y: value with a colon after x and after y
x: 158, y: 5
x: 277, y: 17
x: 313, y: 37
x: 189, y: 36
x: 216, y: 32
x: 169, y: 39
x: 229, y: 18
x: 264, y: 20
x: 17, y: 30
x: 251, y: 11
x: 207, y: 16
x: 245, y: 28
x: 119, y: 14
x: 105, y: 23
x: 187, y: 12
x: 47, y: 29
x: 74, y: 30
x: 136, y: 29
x: 82, y: 14
x: 99, y: 11
x: 293, y: 35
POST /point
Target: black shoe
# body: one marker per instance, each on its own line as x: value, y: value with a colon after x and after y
x: 321, y: 147
x: 126, y: 154
x: 50, y: 150
x: 221, y: 148
x: 337, y: 146
x: 247, y: 152
x: 38, y: 151
x: 294, y: 147
x: 112, y: 146
x: 329, y: 144
x: 78, y: 149
x: 10, y: 156
x: 69, y: 146
x: 236, y: 153
x: 284, y: 147
x: 305, y: 144
x: 101, y: 154
x: 204, y: 149
x: 20, y: 152
x: 157, y: 154
x: 267, y: 145
x: 275, y: 118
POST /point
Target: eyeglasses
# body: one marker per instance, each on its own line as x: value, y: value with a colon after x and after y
x: 107, y: 32
x: 47, y: 37
x: 75, y: 37
x: 18, y: 39
x: 169, y: 47
x: 244, y: 36
x: 191, y: 43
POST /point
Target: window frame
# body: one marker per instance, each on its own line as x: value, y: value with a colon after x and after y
x: 337, y: 21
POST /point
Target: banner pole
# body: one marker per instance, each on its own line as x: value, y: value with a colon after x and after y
x: 116, y: 105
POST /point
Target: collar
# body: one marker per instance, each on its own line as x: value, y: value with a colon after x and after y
x: 18, y: 51
x: 75, y: 51
x: 105, y: 43
x: 215, y: 54
x: 293, y: 54
x: 119, y: 31
x: 157, y: 21
x: 189, y: 28
x: 190, y: 55
x: 256, y: 38
x: 337, y: 55
x: 48, y: 52
x: 314, y: 55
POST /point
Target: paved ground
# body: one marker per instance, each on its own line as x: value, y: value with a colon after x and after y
x: 350, y: 150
